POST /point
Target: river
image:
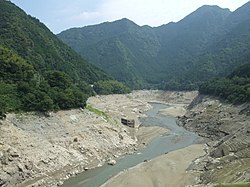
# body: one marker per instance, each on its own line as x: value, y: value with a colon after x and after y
x: 176, y: 138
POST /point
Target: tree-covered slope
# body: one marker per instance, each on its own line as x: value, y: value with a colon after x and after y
x: 187, y: 39
x: 207, y: 43
x: 121, y: 48
x: 230, y: 50
x: 23, y: 88
x: 38, y: 72
x: 32, y: 40
x: 234, y: 88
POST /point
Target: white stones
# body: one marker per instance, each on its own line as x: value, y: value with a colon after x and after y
x: 219, y: 167
x: 111, y: 162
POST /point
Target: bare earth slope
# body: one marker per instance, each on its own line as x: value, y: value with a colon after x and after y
x: 38, y: 150
x: 227, y: 127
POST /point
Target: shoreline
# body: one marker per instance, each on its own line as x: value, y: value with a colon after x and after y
x: 150, y: 173
x: 143, y: 135
x: 166, y: 170
x: 71, y: 149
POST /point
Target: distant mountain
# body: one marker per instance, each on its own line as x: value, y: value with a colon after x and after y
x: 230, y: 50
x: 121, y: 48
x: 184, y: 41
x: 238, y: 16
x: 207, y: 43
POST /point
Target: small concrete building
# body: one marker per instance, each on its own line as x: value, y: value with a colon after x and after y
x: 127, y: 122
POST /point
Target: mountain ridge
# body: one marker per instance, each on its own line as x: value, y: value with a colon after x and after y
x: 36, y: 38
x: 168, y: 54
x: 38, y: 72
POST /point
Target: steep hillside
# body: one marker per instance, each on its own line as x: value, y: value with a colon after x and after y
x: 235, y: 88
x: 121, y: 48
x: 230, y: 50
x: 209, y: 42
x: 32, y: 40
x: 184, y: 41
x: 227, y: 128
x: 38, y: 71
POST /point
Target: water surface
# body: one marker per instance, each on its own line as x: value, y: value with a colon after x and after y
x: 176, y: 138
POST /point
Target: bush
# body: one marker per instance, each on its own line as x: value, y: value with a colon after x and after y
x: 110, y: 87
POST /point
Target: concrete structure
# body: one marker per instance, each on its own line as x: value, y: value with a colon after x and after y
x: 129, y: 123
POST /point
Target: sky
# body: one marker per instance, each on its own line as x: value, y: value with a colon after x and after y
x: 59, y: 15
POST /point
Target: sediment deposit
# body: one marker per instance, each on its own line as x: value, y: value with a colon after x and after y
x: 227, y: 129
x: 45, y: 150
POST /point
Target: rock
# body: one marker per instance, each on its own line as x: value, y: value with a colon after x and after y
x: 13, y: 152
x: 60, y: 183
x: 112, y: 162
x: 120, y: 136
x: 219, y: 167
x: 1, y: 155
x: 29, y: 165
x: 20, y: 167
x: 47, y: 114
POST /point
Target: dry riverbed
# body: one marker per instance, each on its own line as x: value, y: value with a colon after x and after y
x: 37, y: 150
x: 169, y: 170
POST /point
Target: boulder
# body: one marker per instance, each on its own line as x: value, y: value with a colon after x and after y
x: 112, y: 162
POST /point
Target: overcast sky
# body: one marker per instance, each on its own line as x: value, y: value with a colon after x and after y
x: 59, y: 15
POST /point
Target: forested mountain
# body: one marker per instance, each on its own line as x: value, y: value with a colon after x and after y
x: 234, y: 88
x: 33, y: 41
x: 209, y: 42
x: 38, y: 71
x: 230, y: 50
x: 122, y: 48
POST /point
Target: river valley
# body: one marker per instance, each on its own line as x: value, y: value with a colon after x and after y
x: 38, y: 150
x: 176, y: 138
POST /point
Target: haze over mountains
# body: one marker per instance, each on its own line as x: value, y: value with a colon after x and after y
x: 209, y: 42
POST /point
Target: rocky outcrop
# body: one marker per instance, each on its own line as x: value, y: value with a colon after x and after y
x: 227, y: 129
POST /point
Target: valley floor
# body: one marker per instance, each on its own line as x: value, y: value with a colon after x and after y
x: 169, y: 170
x: 46, y: 150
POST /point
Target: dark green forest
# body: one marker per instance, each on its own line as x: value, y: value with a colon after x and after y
x: 41, y: 73
x: 35, y: 43
x: 235, y: 88
x: 24, y: 89
x: 110, y: 86
x: 38, y: 72
x: 209, y: 43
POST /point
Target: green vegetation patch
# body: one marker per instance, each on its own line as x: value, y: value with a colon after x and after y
x: 105, y: 116
x: 235, y: 88
x: 38, y: 72
x: 110, y: 87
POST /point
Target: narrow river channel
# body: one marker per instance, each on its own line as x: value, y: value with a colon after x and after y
x: 176, y: 138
